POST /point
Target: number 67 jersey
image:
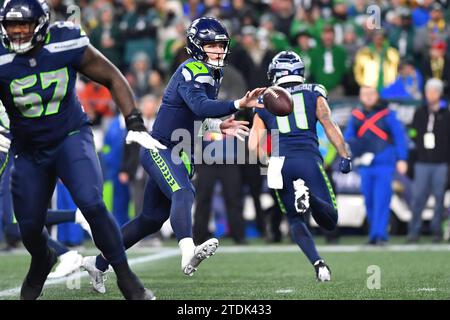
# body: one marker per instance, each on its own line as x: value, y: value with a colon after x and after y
x: 38, y: 88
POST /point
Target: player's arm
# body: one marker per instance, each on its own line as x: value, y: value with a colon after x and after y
x: 257, y: 134
x: 194, y: 94
x: 98, y: 68
x: 333, y: 132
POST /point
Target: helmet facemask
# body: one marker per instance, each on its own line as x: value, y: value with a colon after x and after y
x: 220, y: 61
x: 19, y: 42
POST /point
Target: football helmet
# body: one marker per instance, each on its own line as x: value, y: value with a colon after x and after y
x: 34, y: 12
x: 286, y: 66
x: 207, y: 30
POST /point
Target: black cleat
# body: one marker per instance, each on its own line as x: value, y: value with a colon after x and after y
x: 323, y: 272
x: 37, y: 274
x: 132, y: 289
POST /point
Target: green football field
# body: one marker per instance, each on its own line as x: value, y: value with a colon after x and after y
x: 260, y: 271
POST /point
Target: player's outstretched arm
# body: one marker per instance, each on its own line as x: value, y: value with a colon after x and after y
x: 334, y: 134
x: 98, y: 68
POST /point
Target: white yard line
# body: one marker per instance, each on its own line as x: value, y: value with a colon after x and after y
x: 156, y: 254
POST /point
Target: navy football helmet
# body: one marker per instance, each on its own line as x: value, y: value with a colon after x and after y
x: 204, y: 31
x: 286, y: 66
x: 24, y: 11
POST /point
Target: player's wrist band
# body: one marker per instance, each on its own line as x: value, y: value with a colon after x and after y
x: 134, y: 121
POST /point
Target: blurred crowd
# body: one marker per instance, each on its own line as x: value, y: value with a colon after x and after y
x: 394, y: 46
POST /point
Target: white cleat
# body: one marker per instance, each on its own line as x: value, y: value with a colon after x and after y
x: 323, y: 272
x: 301, y: 196
x: 69, y: 262
x: 201, y: 252
x: 97, y: 276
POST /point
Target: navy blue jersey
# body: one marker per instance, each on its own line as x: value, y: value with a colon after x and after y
x: 190, y: 96
x: 38, y: 90
x: 297, y: 131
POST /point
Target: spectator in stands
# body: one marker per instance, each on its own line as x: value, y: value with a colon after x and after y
x: 376, y: 65
x: 241, y: 14
x: 138, y: 26
x: 402, y: 37
x: 431, y: 134
x: 352, y: 43
x: 106, y: 37
x: 251, y: 59
x: 409, y: 83
x: 437, y: 65
x: 58, y: 10
x: 269, y: 37
x: 171, y: 39
x: 306, y: 18
x: 96, y: 101
x: 435, y: 29
x: 283, y: 15
x: 303, y: 47
x: 421, y: 14
x: 328, y: 63
x: 139, y: 75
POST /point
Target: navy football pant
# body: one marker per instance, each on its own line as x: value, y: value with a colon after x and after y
x: 322, y: 200
x: 75, y: 161
x: 169, y: 193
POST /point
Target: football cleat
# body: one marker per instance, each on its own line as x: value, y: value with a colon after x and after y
x: 323, y: 272
x: 201, y: 252
x: 301, y: 196
x: 37, y: 274
x: 68, y: 262
x: 132, y: 288
x: 97, y: 276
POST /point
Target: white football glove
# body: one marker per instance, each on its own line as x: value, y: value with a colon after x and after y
x: 145, y: 140
x: 5, y: 144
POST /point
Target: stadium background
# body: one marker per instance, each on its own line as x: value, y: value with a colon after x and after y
x: 146, y: 39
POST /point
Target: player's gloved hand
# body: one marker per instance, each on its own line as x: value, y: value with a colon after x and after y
x: 5, y: 144
x: 138, y: 133
x: 235, y: 128
x: 345, y: 165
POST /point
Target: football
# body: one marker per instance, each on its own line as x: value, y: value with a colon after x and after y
x: 278, y: 101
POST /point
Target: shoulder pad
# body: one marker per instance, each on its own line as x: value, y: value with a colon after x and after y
x: 197, y: 71
x: 64, y: 31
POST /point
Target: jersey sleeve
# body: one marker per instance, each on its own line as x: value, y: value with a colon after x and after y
x: 320, y: 90
x: 192, y: 88
x: 68, y: 38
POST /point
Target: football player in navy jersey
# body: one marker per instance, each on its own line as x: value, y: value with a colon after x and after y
x: 52, y: 137
x: 190, y: 96
x: 297, y: 175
